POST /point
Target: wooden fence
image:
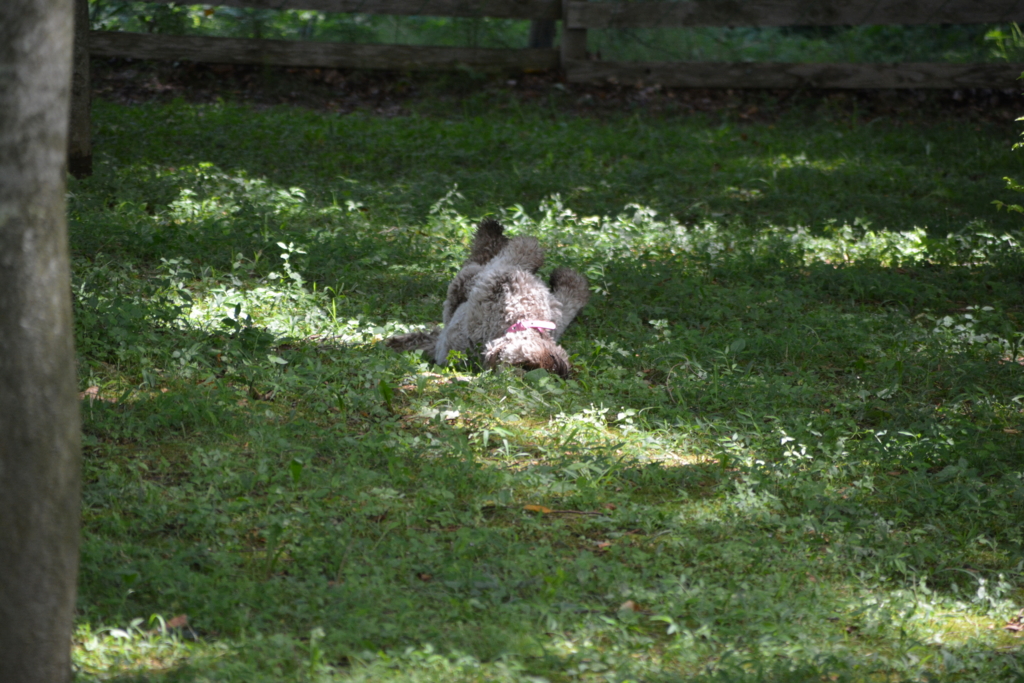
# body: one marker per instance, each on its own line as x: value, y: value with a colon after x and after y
x: 577, y: 16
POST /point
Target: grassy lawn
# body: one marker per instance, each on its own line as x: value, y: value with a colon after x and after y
x: 791, y: 449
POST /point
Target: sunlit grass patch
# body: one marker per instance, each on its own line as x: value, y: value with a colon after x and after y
x: 139, y: 650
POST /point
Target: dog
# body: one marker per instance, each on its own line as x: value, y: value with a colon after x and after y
x: 497, y: 305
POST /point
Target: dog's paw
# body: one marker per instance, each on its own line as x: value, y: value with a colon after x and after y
x: 488, y: 241
x: 566, y: 280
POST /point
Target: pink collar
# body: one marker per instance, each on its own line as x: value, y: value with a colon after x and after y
x: 523, y: 325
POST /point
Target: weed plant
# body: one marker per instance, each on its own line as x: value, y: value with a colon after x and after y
x: 790, y: 451
x: 308, y: 25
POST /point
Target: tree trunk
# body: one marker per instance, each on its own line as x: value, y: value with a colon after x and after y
x: 39, y: 428
x: 80, y: 134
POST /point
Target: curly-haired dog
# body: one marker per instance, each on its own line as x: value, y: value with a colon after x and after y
x: 497, y: 302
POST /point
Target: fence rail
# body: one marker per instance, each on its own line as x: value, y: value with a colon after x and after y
x: 578, y: 16
x: 789, y: 13
x: 499, y: 9
x: 328, y: 55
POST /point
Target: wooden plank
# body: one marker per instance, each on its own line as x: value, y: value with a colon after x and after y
x: 789, y: 13
x: 502, y: 9
x: 330, y: 55
x: 768, y: 75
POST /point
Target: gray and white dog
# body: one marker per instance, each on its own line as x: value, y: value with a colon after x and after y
x: 497, y: 302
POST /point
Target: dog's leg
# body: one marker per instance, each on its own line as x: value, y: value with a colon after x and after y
x: 488, y: 241
x: 458, y: 290
x: 572, y: 291
x: 454, y: 336
x: 520, y: 252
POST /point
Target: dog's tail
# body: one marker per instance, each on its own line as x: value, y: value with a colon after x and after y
x: 414, y: 341
x: 488, y: 241
x: 572, y: 291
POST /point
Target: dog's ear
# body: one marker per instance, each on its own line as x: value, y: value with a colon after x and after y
x: 556, y: 364
x: 549, y: 356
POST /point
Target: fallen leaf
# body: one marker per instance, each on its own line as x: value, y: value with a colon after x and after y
x: 180, y: 621
x: 537, y: 508
x: 1016, y: 624
x: 93, y: 394
x: 262, y: 396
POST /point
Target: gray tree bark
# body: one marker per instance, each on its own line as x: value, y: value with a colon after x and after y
x: 39, y: 424
x: 80, y: 133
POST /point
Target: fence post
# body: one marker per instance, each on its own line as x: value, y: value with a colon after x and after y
x: 574, y: 40
x: 79, y: 131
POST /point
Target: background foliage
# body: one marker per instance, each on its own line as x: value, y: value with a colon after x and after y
x: 938, y: 43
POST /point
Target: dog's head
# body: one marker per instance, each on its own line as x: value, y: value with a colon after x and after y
x: 529, y: 350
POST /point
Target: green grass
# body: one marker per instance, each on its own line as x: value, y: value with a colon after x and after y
x: 791, y: 450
